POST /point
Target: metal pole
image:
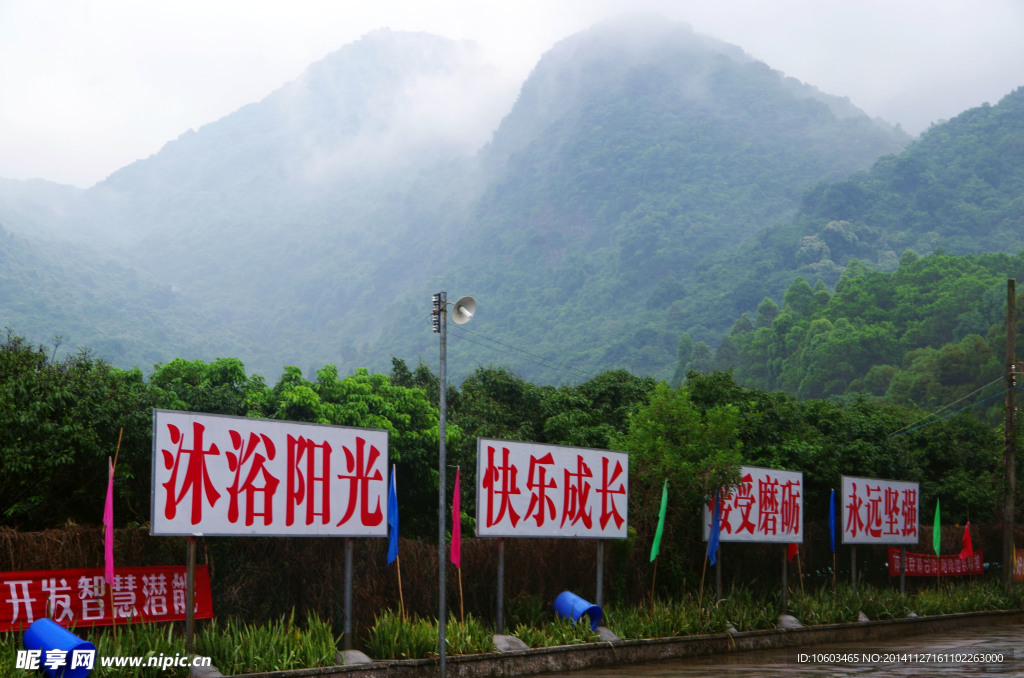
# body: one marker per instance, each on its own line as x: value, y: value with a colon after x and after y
x: 442, y: 600
x: 853, y: 568
x: 190, y: 595
x: 500, y: 624
x: 785, y: 578
x: 1010, y: 433
x: 348, y: 593
x: 600, y: 573
x: 903, y: 570
x: 718, y: 575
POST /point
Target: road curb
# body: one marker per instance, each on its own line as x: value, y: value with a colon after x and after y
x: 625, y: 652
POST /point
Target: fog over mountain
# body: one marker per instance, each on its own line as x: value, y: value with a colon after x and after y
x: 314, y: 225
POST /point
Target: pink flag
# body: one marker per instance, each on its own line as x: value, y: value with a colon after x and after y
x: 967, y: 550
x: 456, y: 524
x: 108, y: 528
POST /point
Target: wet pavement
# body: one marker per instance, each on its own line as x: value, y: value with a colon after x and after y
x: 987, y: 650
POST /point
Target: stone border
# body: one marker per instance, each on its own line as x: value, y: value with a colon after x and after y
x: 625, y: 652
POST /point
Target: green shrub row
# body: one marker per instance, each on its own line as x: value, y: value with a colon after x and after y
x: 237, y: 647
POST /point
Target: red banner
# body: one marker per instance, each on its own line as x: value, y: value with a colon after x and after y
x: 928, y: 565
x: 1018, y: 565
x: 76, y: 598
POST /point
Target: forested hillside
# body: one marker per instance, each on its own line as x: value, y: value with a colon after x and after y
x: 960, y: 186
x: 313, y: 226
x: 928, y: 334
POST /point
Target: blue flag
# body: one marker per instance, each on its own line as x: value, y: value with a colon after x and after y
x: 392, y: 520
x: 716, y: 530
x: 832, y: 518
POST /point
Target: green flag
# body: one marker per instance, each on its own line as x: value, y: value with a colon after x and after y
x: 937, y: 530
x: 656, y: 546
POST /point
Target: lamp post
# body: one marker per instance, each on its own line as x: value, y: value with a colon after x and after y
x: 462, y: 312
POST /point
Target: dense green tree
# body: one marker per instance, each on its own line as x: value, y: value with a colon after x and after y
x: 365, y: 400
x: 60, y: 422
x: 594, y: 413
x: 800, y: 298
x: 219, y: 387
x: 767, y: 311
x: 696, y: 450
x: 684, y: 355
x: 927, y: 331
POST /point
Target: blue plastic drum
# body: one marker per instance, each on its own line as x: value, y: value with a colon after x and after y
x: 47, y: 635
x: 570, y: 606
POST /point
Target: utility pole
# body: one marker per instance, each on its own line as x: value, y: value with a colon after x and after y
x: 1010, y: 434
x: 441, y: 327
x: 461, y: 314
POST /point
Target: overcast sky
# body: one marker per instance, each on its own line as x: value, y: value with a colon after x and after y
x: 89, y: 86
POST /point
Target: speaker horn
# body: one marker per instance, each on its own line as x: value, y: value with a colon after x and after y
x: 463, y: 310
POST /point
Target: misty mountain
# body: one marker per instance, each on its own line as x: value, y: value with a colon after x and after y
x: 635, y: 151
x: 959, y: 187
x: 313, y: 226
x: 35, y: 206
x: 321, y: 156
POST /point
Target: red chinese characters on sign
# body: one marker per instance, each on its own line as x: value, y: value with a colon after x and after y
x: 309, y: 468
x: 766, y: 506
x: 195, y: 478
x: 363, y: 470
x: 611, y: 485
x: 499, y: 484
x: 259, y: 485
x: 530, y: 490
x: 217, y: 475
x: 879, y: 511
x: 576, y: 507
x: 82, y: 598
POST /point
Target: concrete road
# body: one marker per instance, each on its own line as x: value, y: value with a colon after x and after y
x: 996, y: 650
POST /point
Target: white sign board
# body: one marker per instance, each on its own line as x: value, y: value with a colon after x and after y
x: 533, y: 490
x: 879, y: 511
x: 767, y: 506
x: 219, y: 475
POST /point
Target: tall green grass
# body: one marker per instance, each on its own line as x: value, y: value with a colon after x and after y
x: 392, y: 637
x: 236, y: 647
x: 135, y: 640
x: 665, y: 619
x: 555, y: 632
x: 132, y: 640
x: 470, y: 636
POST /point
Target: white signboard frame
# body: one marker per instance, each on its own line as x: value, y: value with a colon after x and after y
x: 536, y: 490
x: 217, y: 475
x: 767, y: 506
x: 876, y: 511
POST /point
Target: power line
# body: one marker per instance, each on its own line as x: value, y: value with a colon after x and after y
x: 935, y: 421
x: 928, y: 416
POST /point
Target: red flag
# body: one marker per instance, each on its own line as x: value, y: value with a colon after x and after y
x: 456, y: 523
x: 792, y: 552
x: 967, y: 551
x: 108, y: 528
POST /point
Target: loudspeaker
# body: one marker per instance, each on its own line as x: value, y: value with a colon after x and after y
x: 463, y: 310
